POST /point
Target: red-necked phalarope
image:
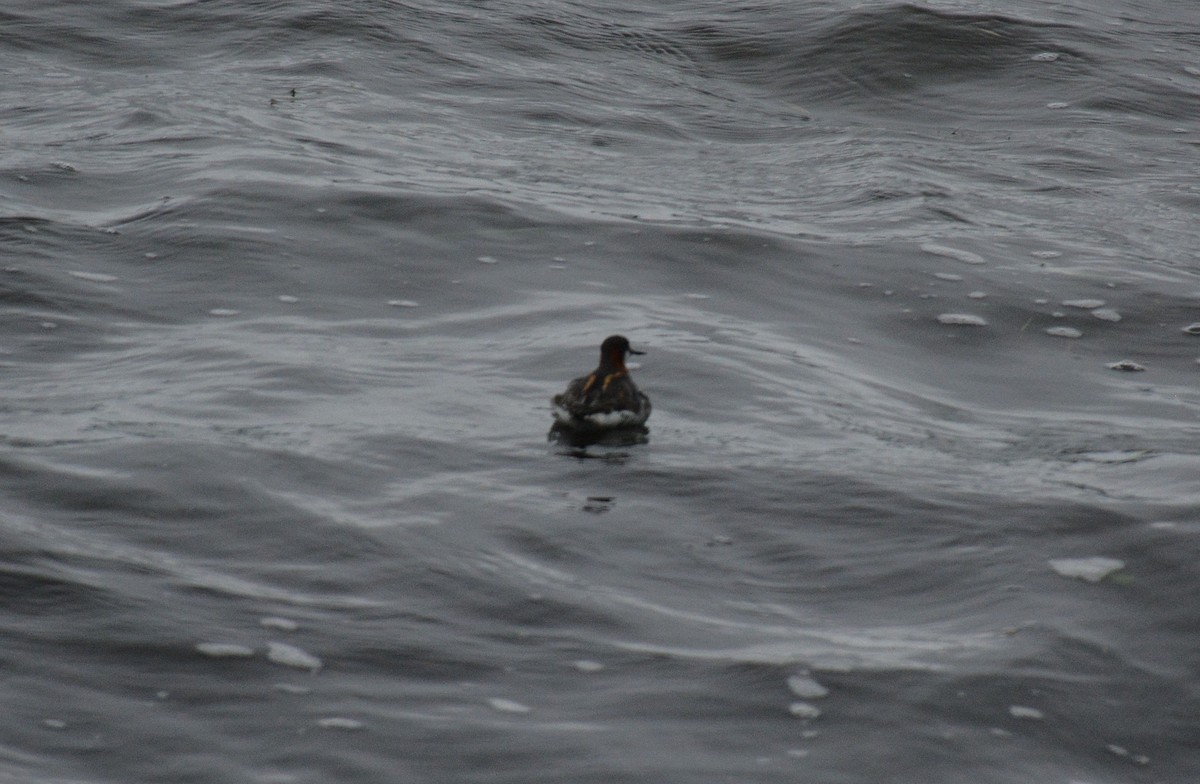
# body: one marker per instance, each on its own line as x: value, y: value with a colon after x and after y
x: 606, y: 398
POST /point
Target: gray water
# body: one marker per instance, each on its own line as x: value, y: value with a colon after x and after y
x: 287, y: 288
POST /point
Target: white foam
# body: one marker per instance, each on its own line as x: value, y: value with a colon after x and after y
x: 339, y: 723
x: 1025, y: 712
x: 806, y: 687
x: 1084, y: 304
x: 508, y: 706
x: 804, y: 710
x: 1093, y: 569
x: 1064, y: 332
x: 962, y: 320
x: 291, y: 656
x: 283, y: 624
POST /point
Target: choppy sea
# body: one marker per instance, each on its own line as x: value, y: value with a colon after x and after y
x: 286, y: 287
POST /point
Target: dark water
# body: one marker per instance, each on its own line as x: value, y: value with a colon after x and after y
x: 287, y: 287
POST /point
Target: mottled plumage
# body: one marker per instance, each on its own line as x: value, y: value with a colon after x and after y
x: 606, y: 398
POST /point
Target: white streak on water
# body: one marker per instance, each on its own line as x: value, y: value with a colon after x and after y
x: 965, y: 256
x: 962, y: 320
x: 96, y: 277
x: 1025, y: 712
x: 225, y: 650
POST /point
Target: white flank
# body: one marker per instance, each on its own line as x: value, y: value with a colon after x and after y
x: 622, y: 418
x: 603, y: 420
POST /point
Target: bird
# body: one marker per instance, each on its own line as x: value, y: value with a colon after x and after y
x: 605, y: 399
